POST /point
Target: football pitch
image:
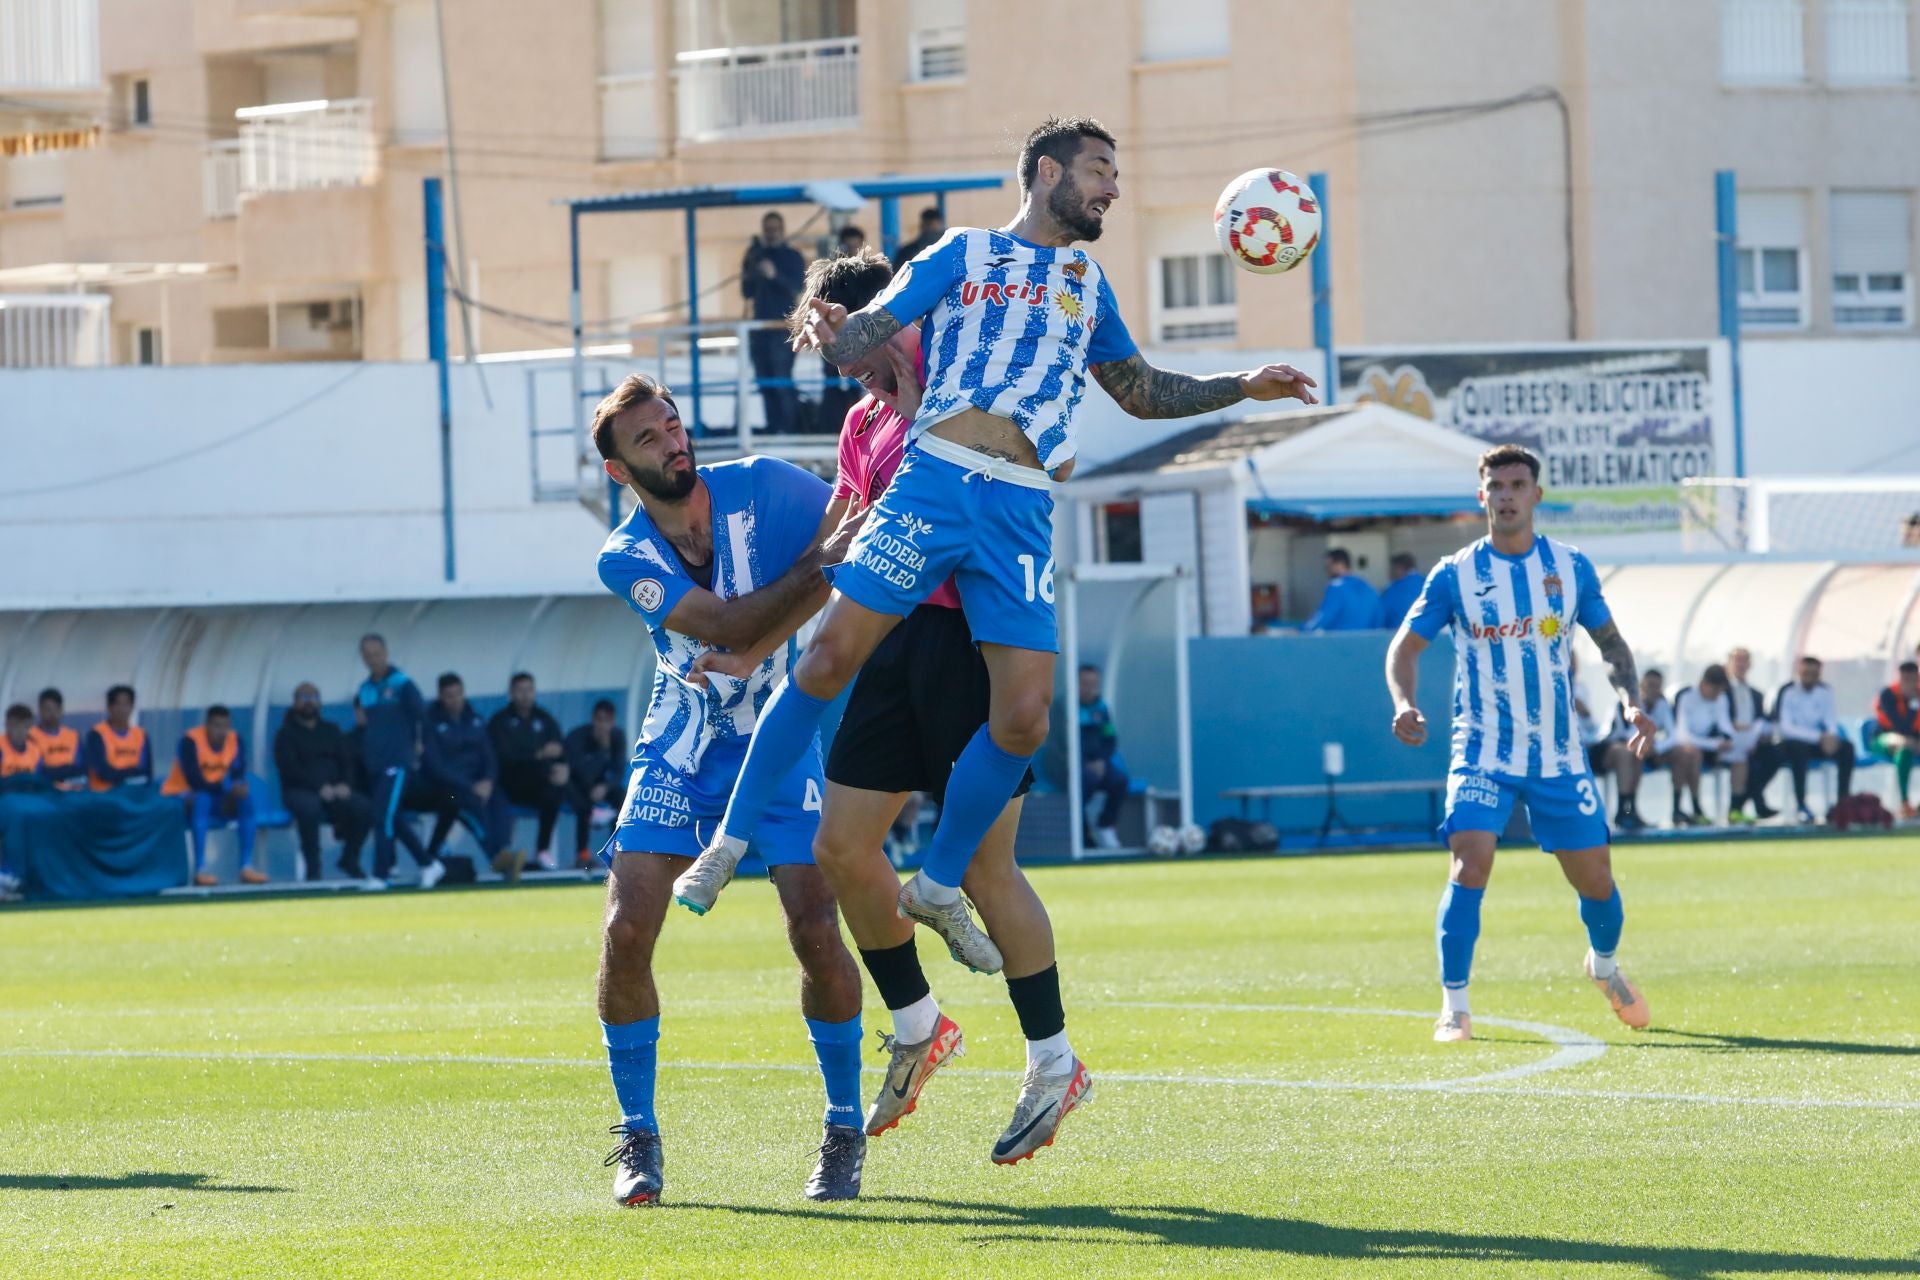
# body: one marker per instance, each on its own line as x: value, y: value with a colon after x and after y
x: 412, y: 1085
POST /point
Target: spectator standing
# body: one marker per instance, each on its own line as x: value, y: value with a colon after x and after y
x: 392, y: 716
x: 596, y: 775
x: 1402, y: 590
x: 316, y: 769
x: 1897, y: 735
x: 460, y: 758
x: 933, y: 225
x: 1351, y: 603
x: 59, y: 743
x: 771, y: 276
x: 532, y: 755
x: 20, y: 755
x: 1810, y: 731
x: 1703, y: 720
x: 210, y: 772
x: 1101, y: 776
x: 117, y: 750
x: 1752, y: 760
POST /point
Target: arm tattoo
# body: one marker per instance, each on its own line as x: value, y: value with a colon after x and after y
x: 1147, y: 392
x: 864, y: 330
x: 1619, y: 659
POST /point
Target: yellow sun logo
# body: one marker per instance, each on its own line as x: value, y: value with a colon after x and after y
x: 1550, y: 626
x: 1069, y: 305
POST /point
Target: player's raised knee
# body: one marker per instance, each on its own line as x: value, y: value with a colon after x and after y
x: 1020, y: 721
x: 828, y: 665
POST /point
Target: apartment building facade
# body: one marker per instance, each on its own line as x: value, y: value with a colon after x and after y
x: 1499, y: 170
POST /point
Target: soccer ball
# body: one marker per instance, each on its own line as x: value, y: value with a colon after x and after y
x: 1268, y: 221
x: 1193, y: 838
x: 1163, y: 842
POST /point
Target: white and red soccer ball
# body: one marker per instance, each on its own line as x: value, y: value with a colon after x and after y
x: 1268, y: 221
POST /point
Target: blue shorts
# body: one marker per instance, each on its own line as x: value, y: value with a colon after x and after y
x: 666, y: 811
x: 1565, y: 812
x: 986, y: 523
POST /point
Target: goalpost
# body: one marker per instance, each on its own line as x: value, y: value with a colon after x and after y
x: 1812, y: 516
x: 1127, y: 589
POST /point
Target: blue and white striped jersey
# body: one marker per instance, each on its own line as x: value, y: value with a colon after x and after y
x: 765, y: 514
x: 1512, y: 620
x: 1013, y: 326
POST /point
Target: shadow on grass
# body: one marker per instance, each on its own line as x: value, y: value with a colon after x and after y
x: 1713, y: 1042
x: 1195, y: 1228
x: 122, y: 1182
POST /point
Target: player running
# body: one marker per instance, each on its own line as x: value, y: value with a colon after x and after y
x: 919, y: 699
x: 1015, y: 319
x: 1512, y: 598
x: 713, y: 556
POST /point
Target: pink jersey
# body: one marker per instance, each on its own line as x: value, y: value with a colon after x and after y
x: 872, y: 442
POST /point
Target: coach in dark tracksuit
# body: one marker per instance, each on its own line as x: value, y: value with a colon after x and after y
x: 597, y: 766
x: 532, y: 758
x: 316, y: 770
x: 460, y: 759
x: 393, y: 715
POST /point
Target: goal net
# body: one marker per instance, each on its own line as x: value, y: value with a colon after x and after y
x: 1802, y: 517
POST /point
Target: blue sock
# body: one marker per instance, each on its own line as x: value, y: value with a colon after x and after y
x: 1604, y: 918
x: 1457, y: 928
x: 632, y: 1055
x: 983, y: 780
x: 837, y: 1046
x: 780, y: 737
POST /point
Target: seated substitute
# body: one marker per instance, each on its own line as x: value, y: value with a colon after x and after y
x: 117, y: 750
x: 1810, y: 731
x: 459, y: 760
x: 1101, y: 777
x: 1682, y: 761
x: 316, y: 768
x: 210, y: 772
x: 532, y: 760
x: 1897, y: 731
x: 61, y: 763
x: 1703, y: 720
x: 597, y: 759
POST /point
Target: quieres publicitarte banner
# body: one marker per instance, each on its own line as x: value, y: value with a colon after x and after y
x: 1618, y: 428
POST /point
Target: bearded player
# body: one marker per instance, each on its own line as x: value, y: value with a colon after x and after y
x: 713, y: 556
x: 1015, y: 319
x: 1511, y: 599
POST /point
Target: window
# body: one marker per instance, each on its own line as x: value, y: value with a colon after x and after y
x: 419, y: 108
x: 1196, y: 298
x: 146, y: 346
x: 1872, y: 240
x: 1118, y: 531
x: 1171, y: 30
x: 937, y: 44
x: 1867, y: 41
x: 1762, y: 41
x: 1769, y: 256
x: 629, y: 112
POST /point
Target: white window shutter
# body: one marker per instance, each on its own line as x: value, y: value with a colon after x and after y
x: 1872, y: 232
x: 1772, y: 219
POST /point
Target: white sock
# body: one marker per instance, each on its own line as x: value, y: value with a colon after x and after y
x: 1052, y: 1055
x: 1455, y: 999
x: 934, y: 893
x: 1603, y: 966
x: 916, y: 1022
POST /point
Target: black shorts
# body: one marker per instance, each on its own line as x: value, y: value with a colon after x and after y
x: 914, y: 707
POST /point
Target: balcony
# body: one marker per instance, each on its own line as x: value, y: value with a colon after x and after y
x: 291, y: 146
x: 810, y: 86
x: 50, y: 47
x: 55, y: 331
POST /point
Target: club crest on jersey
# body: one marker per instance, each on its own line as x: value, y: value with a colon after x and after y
x: 912, y: 526
x: 1077, y: 269
x: 648, y: 593
x: 1553, y: 585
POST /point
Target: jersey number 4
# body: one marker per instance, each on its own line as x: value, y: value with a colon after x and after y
x: 811, y: 800
x: 1044, y: 583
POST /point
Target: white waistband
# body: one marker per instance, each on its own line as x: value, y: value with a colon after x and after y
x: 981, y: 464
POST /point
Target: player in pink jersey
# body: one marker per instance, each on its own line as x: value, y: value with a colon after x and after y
x: 919, y: 699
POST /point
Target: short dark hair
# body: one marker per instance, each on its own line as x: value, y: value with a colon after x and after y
x: 374, y: 636
x: 606, y: 705
x: 851, y: 229
x: 932, y: 211
x: 1088, y: 666
x: 773, y: 213
x: 1715, y: 674
x: 1807, y: 657
x: 518, y: 676
x: 52, y: 695
x: 1653, y: 673
x: 851, y: 280
x: 119, y: 689
x: 1910, y: 668
x: 450, y: 678
x: 219, y: 710
x: 634, y: 389
x: 1060, y: 138
x: 1511, y: 455
x: 1340, y: 557
x: 1403, y: 560
x: 19, y: 711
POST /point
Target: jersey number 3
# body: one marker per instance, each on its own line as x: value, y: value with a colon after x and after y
x: 1589, y: 798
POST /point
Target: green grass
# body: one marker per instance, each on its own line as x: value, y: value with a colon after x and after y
x: 1781, y: 971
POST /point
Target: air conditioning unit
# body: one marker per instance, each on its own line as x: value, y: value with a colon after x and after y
x: 333, y: 314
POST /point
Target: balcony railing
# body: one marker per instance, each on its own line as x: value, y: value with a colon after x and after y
x: 810, y: 86
x: 55, y: 331
x: 220, y: 175
x: 49, y: 45
x: 296, y: 146
x: 1762, y: 41
x: 1867, y: 41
